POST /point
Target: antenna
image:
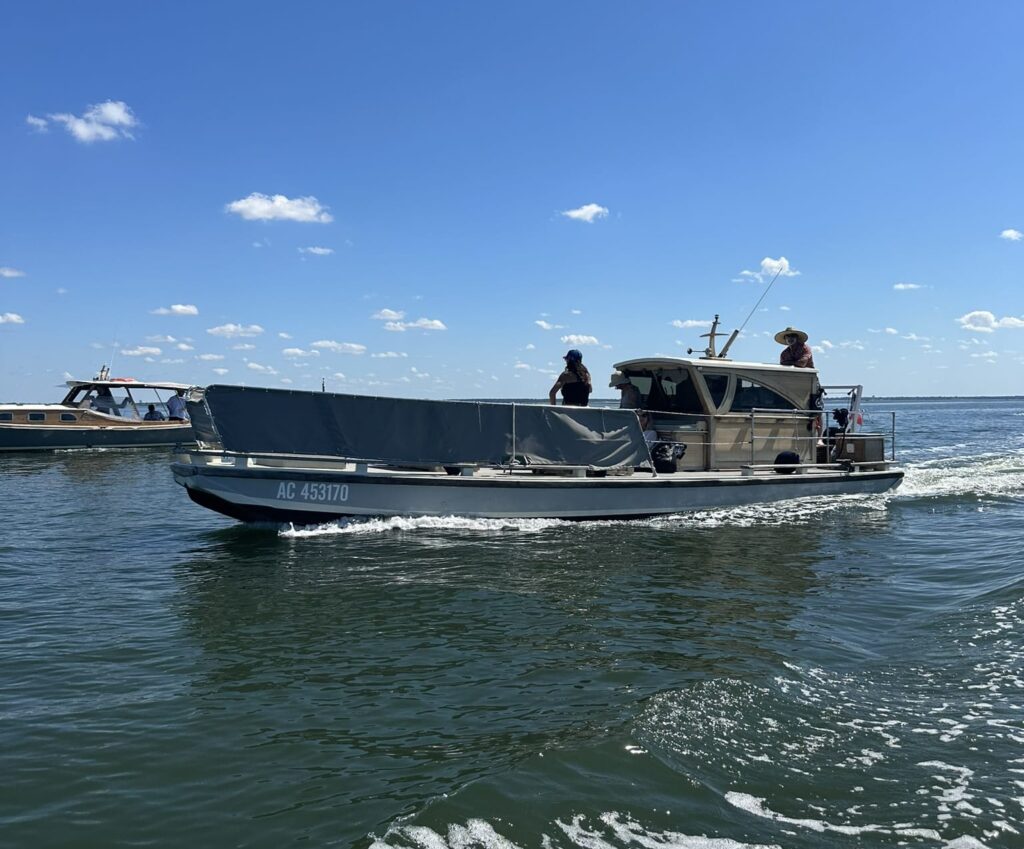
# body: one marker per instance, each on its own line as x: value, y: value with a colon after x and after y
x: 323, y: 384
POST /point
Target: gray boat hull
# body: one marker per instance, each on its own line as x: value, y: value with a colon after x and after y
x: 307, y: 496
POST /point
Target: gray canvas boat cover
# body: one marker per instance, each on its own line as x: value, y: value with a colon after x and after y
x: 415, y: 432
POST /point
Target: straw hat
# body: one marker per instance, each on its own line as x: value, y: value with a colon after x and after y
x: 780, y: 337
x: 618, y: 379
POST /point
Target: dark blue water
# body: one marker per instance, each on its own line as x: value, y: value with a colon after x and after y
x: 841, y: 672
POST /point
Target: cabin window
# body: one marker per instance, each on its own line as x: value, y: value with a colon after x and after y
x: 749, y: 395
x: 68, y: 417
x: 37, y: 417
x: 6, y: 417
x: 717, y: 385
x: 669, y: 392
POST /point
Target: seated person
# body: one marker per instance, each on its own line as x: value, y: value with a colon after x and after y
x: 104, y: 402
x: 153, y: 414
x: 630, y: 397
x: 647, y: 426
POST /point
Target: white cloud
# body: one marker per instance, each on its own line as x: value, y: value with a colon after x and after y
x: 11, y: 318
x: 913, y: 337
x: 892, y: 331
x: 340, y: 347
x: 826, y: 345
x: 230, y: 331
x: 161, y: 338
x: 388, y: 355
x: 105, y: 121
x: 1011, y: 235
x: 220, y: 371
x: 287, y: 381
x: 298, y: 352
x: 523, y: 367
x: 388, y: 315
x: 338, y: 375
x: 576, y: 312
x: 141, y: 351
x: 588, y: 212
x: 6, y: 271
x: 903, y: 287
x: 283, y: 335
x: 983, y: 321
x: 418, y: 324
x: 184, y: 346
x: 576, y: 339
x: 243, y: 346
x: 547, y: 325
x: 316, y: 251
x: 40, y: 125
x: 261, y: 207
x: 261, y: 369
x: 769, y: 268
x: 210, y: 358
x: 62, y: 291
x: 691, y: 322
x: 169, y: 360
x: 176, y: 309
x: 530, y: 346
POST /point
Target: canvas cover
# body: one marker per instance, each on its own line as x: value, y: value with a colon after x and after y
x: 416, y: 432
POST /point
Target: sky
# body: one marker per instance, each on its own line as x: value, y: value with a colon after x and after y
x: 439, y: 199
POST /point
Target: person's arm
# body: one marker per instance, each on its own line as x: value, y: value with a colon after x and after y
x: 805, y: 358
x: 553, y: 394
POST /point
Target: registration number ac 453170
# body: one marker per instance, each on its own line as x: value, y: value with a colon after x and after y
x: 324, y: 492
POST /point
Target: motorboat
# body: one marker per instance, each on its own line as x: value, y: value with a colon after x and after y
x: 709, y: 432
x: 105, y: 412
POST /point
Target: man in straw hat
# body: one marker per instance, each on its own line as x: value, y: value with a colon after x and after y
x: 797, y: 352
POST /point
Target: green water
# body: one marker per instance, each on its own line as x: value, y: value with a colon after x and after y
x: 840, y: 673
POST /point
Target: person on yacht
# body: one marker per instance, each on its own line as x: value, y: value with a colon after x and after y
x: 176, y: 407
x: 797, y: 352
x: 574, y: 382
x: 153, y: 414
x: 630, y: 397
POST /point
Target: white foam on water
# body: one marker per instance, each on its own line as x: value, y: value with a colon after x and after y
x: 612, y: 830
x: 924, y: 728
x: 395, y: 524
x: 618, y: 830
x: 981, y: 474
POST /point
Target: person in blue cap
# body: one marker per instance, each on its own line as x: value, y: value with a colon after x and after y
x: 574, y: 382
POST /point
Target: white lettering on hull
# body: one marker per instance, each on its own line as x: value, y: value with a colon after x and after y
x: 323, y: 493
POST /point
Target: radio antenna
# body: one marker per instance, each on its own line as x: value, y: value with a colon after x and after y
x: 766, y: 291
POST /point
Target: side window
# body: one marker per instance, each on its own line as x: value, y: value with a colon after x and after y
x: 717, y: 385
x: 750, y: 395
x: 686, y: 398
x: 37, y: 417
x: 6, y: 417
x: 68, y: 417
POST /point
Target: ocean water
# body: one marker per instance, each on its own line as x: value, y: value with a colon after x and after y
x: 841, y: 672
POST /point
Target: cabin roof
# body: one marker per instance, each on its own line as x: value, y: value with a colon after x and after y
x: 737, y: 366
x: 129, y: 382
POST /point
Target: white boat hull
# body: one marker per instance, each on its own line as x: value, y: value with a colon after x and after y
x: 309, y: 495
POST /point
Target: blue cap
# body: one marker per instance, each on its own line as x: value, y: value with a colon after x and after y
x: 573, y: 356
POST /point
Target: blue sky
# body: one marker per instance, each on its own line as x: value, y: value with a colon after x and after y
x: 439, y: 199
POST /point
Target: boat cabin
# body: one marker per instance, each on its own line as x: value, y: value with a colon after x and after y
x: 123, y: 398
x: 715, y: 406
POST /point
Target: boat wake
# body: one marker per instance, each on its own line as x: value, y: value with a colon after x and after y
x: 612, y: 829
x: 918, y: 754
x: 423, y: 523
x: 980, y: 476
